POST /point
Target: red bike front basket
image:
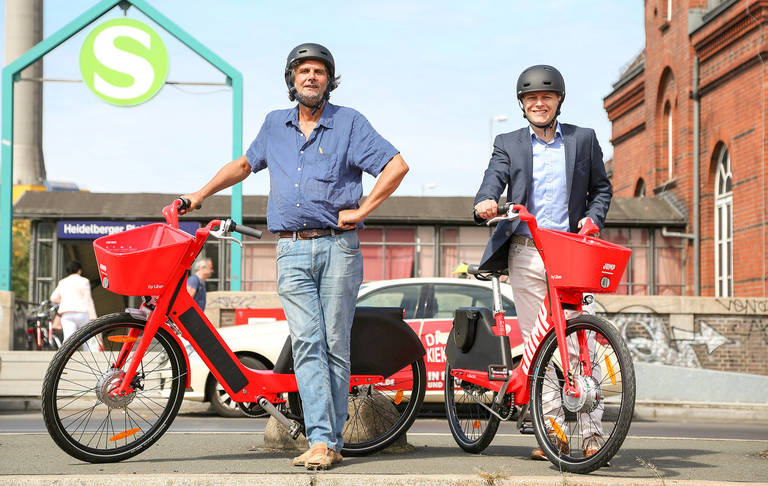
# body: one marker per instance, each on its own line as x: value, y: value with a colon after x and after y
x: 582, y: 262
x: 140, y: 261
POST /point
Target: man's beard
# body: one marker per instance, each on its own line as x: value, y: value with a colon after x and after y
x: 311, y: 99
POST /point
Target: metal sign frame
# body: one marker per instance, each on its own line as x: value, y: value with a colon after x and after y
x: 11, y: 73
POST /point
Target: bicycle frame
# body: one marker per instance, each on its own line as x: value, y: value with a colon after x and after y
x: 187, y: 319
x: 551, y: 316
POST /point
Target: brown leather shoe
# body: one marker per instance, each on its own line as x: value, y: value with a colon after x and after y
x: 337, y: 457
x: 302, y: 459
x: 320, y: 457
x: 592, y: 444
x: 538, y: 454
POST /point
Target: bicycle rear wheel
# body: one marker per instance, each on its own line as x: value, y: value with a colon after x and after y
x: 582, y: 434
x: 81, y: 415
x: 472, y: 425
x: 380, y: 413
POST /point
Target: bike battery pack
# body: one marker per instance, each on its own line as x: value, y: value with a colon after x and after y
x: 486, y: 349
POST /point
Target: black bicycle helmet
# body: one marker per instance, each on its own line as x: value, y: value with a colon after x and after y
x: 305, y: 52
x: 541, y: 78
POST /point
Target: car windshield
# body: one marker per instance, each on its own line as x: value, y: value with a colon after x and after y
x: 405, y: 296
x: 449, y: 297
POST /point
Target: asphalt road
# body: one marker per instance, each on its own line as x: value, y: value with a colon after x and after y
x: 203, y: 444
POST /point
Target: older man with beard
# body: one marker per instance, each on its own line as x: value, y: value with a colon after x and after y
x: 316, y: 153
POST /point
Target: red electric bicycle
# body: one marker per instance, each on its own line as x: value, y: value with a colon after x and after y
x: 109, y: 402
x: 582, y: 385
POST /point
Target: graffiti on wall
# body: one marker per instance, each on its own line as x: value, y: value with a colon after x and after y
x: 651, y: 339
x: 744, y: 306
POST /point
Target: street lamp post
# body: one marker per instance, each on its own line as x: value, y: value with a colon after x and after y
x: 424, y: 187
x: 497, y: 118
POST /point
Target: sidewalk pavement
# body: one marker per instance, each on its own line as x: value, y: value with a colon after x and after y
x: 643, y: 409
x: 322, y: 479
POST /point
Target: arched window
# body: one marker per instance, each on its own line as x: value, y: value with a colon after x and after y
x: 723, y: 226
x: 640, y: 188
x: 668, y: 138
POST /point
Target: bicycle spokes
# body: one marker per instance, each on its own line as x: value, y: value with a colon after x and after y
x: 89, y: 414
x: 583, y: 431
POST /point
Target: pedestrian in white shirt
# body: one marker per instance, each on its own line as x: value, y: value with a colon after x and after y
x: 73, y: 294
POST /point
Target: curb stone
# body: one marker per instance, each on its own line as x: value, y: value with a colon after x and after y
x: 330, y: 479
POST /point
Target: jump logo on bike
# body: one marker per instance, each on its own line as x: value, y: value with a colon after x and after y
x: 124, y: 62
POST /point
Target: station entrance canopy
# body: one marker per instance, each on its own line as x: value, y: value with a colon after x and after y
x: 12, y: 72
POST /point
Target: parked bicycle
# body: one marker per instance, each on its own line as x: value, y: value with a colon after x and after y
x: 111, y: 404
x: 41, y: 335
x: 577, y: 373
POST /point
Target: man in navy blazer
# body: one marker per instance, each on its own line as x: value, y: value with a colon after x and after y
x: 557, y: 172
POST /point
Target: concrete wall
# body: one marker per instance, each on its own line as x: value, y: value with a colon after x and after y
x: 718, y: 334
x: 6, y: 320
x: 220, y: 306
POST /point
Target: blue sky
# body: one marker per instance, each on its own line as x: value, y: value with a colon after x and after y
x: 428, y: 75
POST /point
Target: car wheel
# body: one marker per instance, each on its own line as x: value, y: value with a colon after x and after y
x: 220, y: 400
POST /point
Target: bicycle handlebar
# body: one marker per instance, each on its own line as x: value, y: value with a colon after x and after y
x: 230, y: 226
x: 500, y: 210
x: 171, y: 214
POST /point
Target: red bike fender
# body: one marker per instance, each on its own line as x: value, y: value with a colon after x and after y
x: 183, y: 350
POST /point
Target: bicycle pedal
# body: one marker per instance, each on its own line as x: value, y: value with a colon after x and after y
x: 527, y: 429
x: 497, y: 372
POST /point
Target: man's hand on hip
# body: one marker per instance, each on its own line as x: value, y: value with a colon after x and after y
x: 487, y: 209
x: 348, y: 218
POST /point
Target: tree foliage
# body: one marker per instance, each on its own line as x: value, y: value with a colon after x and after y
x: 20, y: 258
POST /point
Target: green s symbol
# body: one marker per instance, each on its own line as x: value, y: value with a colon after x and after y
x: 124, y: 62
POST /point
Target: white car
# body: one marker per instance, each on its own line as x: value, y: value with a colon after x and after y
x: 429, y: 304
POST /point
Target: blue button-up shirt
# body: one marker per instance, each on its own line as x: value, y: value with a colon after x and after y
x: 549, y: 201
x: 312, y: 179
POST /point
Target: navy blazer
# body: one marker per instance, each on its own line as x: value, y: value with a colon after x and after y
x: 511, y: 166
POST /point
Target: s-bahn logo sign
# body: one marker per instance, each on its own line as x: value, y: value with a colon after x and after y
x: 124, y: 62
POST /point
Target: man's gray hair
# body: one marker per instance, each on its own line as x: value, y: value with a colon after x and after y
x: 203, y: 262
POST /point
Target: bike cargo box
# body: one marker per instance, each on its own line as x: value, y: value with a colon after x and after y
x: 582, y: 262
x: 139, y: 261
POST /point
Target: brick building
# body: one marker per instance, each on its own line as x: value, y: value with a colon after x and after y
x: 689, y: 125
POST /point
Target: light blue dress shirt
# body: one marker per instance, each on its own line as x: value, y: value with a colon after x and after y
x: 549, y: 201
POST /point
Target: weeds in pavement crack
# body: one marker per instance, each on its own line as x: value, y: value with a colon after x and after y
x: 653, y: 469
x: 490, y: 478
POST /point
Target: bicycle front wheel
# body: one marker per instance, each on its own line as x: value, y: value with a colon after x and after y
x: 379, y: 414
x: 81, y: 415
x: 472, y: 425
x: 581, y: 434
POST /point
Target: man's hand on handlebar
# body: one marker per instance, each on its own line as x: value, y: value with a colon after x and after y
x: 195, y: 201
x: 487, y: 209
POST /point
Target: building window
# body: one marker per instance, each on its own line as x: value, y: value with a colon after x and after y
x: 656, y: 265
x: 259, y: 271
x: 723, y: 227
x: 635, y: 279
x: 668, y: 265
x: 668, y: 139
x: 44, y: 264
x: 461, y: 244
x: 640, y: 188
x: 388, y: 253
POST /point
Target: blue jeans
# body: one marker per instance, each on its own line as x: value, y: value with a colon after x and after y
x: 318, y: 281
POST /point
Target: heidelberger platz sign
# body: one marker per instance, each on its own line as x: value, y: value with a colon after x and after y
x: 90, y: 230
